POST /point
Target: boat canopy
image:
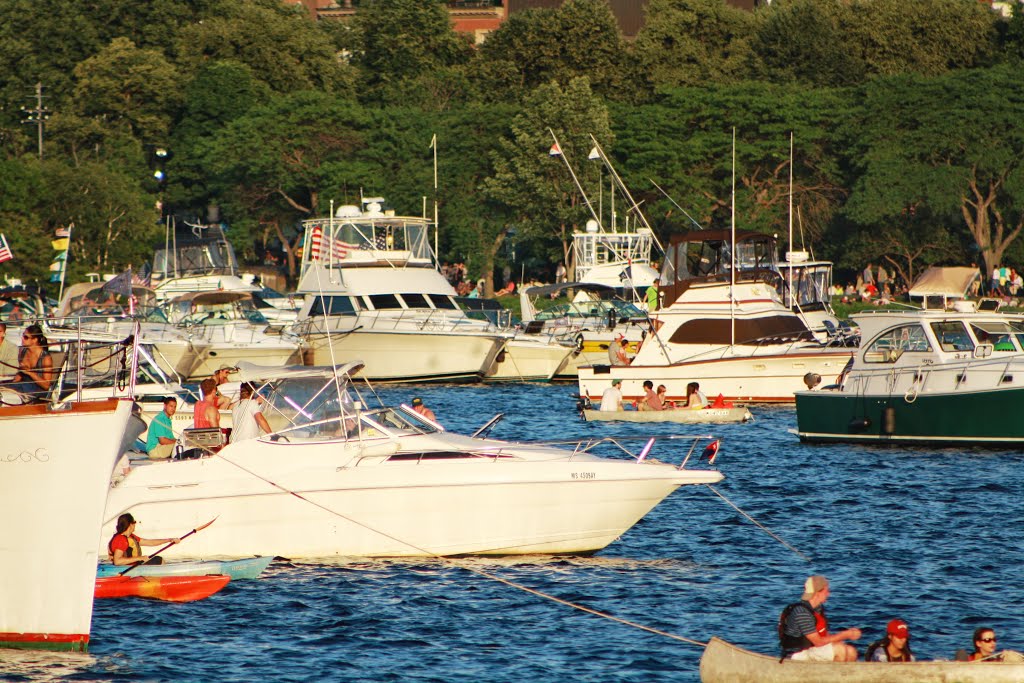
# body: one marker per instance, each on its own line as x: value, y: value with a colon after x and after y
x: 556, y: 289
x: 939, y: 284
x: 706, y: 254
x: 88, y: 298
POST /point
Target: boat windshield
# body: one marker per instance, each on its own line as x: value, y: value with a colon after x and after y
x: 952, y: 336
x: 309, y: 409
x: 586, y: 307
x: 1000, y: 335
x: 894, y: 342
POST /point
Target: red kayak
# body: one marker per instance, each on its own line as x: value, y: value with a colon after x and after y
x: 169, y: 588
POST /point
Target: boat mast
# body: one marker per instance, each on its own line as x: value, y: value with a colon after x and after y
x: 790, y: 263
x: 433, y: 145
x: 732, y: 250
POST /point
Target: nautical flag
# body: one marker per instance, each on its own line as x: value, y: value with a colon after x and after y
x: 710, y: 452
x: 555, y: 150
x: 120, y: 284
x: 594, y: 154
x: 322, y: 247
x: 5, y: 249
x: 56, y: 277
x: 57, y: 266
x: 62, y: 232
x: 61, y: 244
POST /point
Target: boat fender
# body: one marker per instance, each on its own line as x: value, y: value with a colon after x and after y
x: 379, y: 450
x: 889, y: 420
x: 860, y: 424
x: 579, y: 341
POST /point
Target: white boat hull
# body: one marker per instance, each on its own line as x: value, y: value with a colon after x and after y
x: 529, y: 360
x: 410, y: 356
x: 264, y: 353
x: 759, y: 379
x: 337, y: 499
x: 56, y: 472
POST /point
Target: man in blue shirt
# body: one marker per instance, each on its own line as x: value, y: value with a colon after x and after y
x: 160, y: 439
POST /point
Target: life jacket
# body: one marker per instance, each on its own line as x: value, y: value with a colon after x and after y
x: 791, y: 644
x: 870, y: 653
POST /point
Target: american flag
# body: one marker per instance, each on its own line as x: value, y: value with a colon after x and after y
x: 5, y: 249
x: 321, y: 246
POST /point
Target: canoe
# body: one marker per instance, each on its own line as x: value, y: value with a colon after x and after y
x: 723, y: 662
x: 249, y: 568
x: 168, y: 588
x: 681, y: 415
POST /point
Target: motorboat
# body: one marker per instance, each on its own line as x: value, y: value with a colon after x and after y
x: 196, y: 258
x: 590, y: 319
x: 723, y: 662
x: 372, y: 291
x: 707, y: 415
x: 58, y: 462
x: 928, y: 377
x: 93, y: 309
x: 231, y: 328
x: 722, y: 323
x: 339, y: 478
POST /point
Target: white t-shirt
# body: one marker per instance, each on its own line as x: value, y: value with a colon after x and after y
x: 243, y: 420
x: 610, y: 399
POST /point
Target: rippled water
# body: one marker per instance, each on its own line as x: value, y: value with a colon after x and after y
x: 931, y: 536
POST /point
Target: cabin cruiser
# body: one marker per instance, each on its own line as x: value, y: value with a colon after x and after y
x: 927, y: 377
x: 232, y: 329
x: 372, y: 291
x: 199, y: 259
x: 722, y: 324
x: 590, y: 320
x: 338, y: 477
x: 59, y: 460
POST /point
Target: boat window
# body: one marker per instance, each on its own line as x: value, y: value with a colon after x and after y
x: 381, y: 302
x: 333, y: 305
x: 668, y: 269
x: 952, y: 336
x: 896, y: 341
x: 438, y: 455
x: 443, y: 301
x: 415, y: 300
x: 719, y: 331
x: 999, y: 335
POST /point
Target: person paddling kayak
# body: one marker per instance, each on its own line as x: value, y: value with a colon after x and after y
x: 126, y: 548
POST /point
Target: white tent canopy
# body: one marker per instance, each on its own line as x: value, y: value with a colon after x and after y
x: 945, y: 282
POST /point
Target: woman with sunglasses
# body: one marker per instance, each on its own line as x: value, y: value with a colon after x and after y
x: 984, y: 647
x: 35, y: 366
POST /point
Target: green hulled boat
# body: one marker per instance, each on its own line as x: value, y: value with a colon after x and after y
x: 924, y: 377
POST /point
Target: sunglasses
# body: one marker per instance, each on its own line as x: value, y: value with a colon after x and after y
x: 987, y: 640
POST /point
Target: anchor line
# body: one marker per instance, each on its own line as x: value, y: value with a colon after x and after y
x: 455, y: 563
x: 758, y: 524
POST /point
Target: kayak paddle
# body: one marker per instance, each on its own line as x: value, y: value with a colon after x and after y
x: 197, y: 529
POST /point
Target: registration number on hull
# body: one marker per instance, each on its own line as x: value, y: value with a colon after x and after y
x: 584, y: 475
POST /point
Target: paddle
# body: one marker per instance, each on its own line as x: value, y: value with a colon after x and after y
x: 200, y: 528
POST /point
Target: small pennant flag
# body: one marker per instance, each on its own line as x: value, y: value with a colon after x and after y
x: 5, y: 249
x: 57, y: 266
x: 710, y: 452
x: 55, y: 277
x: 555, y: 150
x: 62, y: 232
x: 594, y: 154
x: 61, y: 244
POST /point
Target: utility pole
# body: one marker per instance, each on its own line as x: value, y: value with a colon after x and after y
x: 37, y: 115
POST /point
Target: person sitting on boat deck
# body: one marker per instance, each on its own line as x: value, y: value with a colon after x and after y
x: 126, y: 548
x: 611, y: 398
x: 650, y: 401
x: 417, y: 406
x: 247, y: 422
x: 663, y: 397
x: 207, y: 413
x: 35, y: 365
x: 984, y: 647
x: 803, y: 628
x: 8, y: 354
x: 695, y: 398
x: 160, y: 437
x: 221, y: 377
x: 617, y: 351
x: 894, y: 647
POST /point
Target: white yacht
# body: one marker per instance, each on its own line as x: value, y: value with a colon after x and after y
x: 231, y: 328
x: 722, y: 323
x: 372, y: 291
x: 336, y: 477
x: 198, y: 260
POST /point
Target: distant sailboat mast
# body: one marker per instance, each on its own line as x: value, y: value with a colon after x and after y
x: 790, y: 269
x: 732, y: 250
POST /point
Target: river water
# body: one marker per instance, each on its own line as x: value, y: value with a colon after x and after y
x: 930, y: 536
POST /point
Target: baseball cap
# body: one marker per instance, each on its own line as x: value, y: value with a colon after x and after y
x: 898, y: 628
x: 417, y: 401
x: 812, y: 585
x: 229, y: 368
x: 616, y: 381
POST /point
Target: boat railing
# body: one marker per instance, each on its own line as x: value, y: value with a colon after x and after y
x: 624, y: 445
x: 996, y: 370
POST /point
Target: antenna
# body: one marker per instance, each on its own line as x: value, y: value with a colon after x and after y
x: 675, y: 204
x: 634, y: 207
x: 732, y: 250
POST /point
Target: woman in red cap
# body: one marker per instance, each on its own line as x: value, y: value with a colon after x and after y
x: 895, y: 647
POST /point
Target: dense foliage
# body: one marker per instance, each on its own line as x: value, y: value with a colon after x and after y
x: 905, y: 121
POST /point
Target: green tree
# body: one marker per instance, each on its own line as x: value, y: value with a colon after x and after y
x: 951, y: 145
x: 534, y: 186
x: 693, y: 42
x: 533, y: 47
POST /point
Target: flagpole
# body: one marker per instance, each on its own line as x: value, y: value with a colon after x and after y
x: 67, y: 254
x: 732, y: 250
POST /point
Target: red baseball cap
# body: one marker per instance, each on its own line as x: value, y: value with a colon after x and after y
x: 898, y: 628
